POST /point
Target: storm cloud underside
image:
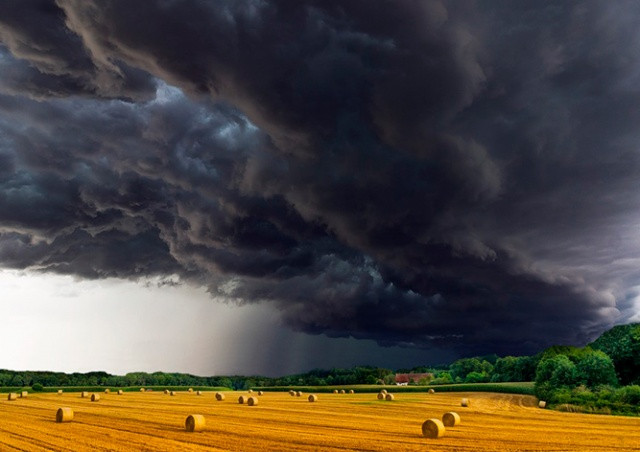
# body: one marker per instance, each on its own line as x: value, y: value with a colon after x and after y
x: 422, y: 173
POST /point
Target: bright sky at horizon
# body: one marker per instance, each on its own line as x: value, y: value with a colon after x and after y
x: 59, y: 323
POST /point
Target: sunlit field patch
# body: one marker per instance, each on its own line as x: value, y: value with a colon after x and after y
x: 154, y: 421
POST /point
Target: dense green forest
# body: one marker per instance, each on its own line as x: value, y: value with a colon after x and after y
x: 601, y: 377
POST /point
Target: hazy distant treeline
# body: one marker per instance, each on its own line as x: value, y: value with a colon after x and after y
x: 602, y: 375
x: 356, y: 375
x: 31, y: 378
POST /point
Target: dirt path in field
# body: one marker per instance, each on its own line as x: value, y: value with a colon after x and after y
x: 336, y: 422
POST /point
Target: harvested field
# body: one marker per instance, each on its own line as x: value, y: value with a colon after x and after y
x: 151, y: 421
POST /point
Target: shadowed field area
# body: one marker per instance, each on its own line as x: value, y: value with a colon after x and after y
x: 155, y: 421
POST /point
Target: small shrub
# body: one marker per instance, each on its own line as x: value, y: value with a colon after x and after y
x: 569, y: 408
x: 583, y: 395
x: 37, y: 387
x: 606, y: 393
x: 603, y: 410
x: 562, y: 395
x: 630, y: 395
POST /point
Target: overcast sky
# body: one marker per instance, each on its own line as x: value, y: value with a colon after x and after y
x: 262, y: 186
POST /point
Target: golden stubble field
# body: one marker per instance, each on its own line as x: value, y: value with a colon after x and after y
x: 154, y: 421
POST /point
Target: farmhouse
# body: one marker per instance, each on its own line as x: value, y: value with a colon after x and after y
x: 404, y: 379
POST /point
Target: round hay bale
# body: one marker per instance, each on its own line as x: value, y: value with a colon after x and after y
x: 450, y: 419
x: 292, y: 393
x: 381, y: 396
x: 252, y: 401
x: 59, y: 391
x: 219, y: 396
x: 384, y: 391
x: 432, y: 391
x: 342, y: 391
x: 260, y: 393
x: 298, y: 393
x: 242, y: 399
x: 64, y: 415
x: 250, y: 391
x: 433, y: 428
x: 335, y: 391
x: 542, y: 404
x: 12, y: 396
x: 120, y: 392
x: 190, y: 389
x: 95, y: 397
x: 388, y: 397
x: 84, y: 394
x: 194, y: 423
x: 142, y: 389
x: 198, y: 392
x: 24, y: 394
x: 464, y: 402
x: 166, y: 391
x: 107, y: 391
x: 172, y: 393
x: 351, y: 391
x: 313, y: 398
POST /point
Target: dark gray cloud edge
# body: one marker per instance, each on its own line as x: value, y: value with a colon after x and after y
x: 422, y: 173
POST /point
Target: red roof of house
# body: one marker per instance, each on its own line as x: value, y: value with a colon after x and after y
x: 406, y: 378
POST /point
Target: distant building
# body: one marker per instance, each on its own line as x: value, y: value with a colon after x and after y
x: 404, y: 379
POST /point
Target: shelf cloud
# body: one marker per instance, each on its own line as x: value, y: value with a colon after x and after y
x: 422, y: 173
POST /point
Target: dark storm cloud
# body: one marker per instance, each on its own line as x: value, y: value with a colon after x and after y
x: 416, y: 172
x: 45, y: 59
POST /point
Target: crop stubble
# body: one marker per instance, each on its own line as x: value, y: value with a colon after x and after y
x: 152, y: 421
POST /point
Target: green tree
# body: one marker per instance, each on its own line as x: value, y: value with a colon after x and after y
x: 554, y: 373
x: 17, y: 380
x: 5, y: 378
x: 564, y: 372
x: 442, y: 378
x: 622, y: 344
x: 476, y: 377
x: 596, y: 368
x: 573, y: 353
x: 462, y: 367
x: 506, y: 369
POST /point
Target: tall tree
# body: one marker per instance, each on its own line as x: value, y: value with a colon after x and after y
x: 622, y: 344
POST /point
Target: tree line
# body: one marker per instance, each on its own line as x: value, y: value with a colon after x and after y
x: 603, y: 377
x: 604, y: 374
x: 318, y: 377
